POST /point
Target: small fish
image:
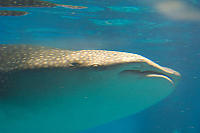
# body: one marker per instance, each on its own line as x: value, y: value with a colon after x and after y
x: 71, y: 6
x: 12, y: 13
x: 72, y: 91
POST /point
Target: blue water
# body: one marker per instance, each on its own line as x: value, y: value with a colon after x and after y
x: 135, y: 26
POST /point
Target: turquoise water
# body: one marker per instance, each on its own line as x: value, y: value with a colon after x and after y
x: 146, y: 28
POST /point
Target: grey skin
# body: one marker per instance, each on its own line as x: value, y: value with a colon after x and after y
x: 70, y: 91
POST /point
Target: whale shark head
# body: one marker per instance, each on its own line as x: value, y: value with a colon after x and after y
x: 75, y: 90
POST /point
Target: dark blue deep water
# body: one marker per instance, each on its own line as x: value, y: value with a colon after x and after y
x: 165, y: 31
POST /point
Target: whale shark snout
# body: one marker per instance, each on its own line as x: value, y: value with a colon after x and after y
x: 147, y: 68
x: 79, y: 89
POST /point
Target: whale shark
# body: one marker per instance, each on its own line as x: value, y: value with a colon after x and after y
x: 56, y: 90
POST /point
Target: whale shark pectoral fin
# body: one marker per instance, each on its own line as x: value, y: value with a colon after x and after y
x: 160, y: 76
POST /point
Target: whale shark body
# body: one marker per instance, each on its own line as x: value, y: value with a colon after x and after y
x: 54, y: 90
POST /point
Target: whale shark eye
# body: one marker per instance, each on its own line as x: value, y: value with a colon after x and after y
x: 75, y: 64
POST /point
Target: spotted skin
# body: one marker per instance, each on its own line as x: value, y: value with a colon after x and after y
x: 65, y: 86
x: 12, y: 13
x: 21, y: 57
x: 16, y: 57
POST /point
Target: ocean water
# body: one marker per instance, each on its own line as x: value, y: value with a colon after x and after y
x: 165, y: 31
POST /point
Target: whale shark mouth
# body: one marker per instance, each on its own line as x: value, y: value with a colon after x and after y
x: 147, y: 74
